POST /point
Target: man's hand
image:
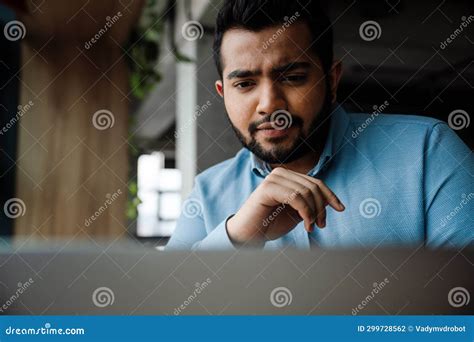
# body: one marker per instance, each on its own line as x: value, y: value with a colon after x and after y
x: 282, y: 200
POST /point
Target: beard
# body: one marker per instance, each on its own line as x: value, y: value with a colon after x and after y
x: 301, y: 145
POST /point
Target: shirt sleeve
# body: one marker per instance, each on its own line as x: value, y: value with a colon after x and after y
x: 448, y: 190
x: 191, y: 231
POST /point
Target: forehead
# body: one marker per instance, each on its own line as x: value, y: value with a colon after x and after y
x: 272, y: 46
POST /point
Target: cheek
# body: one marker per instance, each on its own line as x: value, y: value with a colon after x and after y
x: 309, y: 101
x: 239, y: 113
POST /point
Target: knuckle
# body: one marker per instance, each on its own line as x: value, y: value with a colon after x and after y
x: 318, y: 181
x: 314, y: 188
x: 306, y: 192
x: 271, y: 177
x: 299, y: 197
x: 266, y: 184
x: 277, y: 171
x: 306, y: 209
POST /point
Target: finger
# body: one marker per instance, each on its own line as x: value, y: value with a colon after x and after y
x: 321, y: 208
x: 295, y: 188
x: 306, y: 192
x: 282, y: 194
x: 319, y: 199
x: 330, y: 197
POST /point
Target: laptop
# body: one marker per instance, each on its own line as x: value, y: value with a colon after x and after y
x: 110, y: 278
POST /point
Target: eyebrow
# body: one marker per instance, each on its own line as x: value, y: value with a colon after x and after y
x: 243, y: 73
x: 290, y: 67
x: 240, y: 73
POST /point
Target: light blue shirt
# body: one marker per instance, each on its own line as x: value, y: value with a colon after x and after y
x: 405, y: 180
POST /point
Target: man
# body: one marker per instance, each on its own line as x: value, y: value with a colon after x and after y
x: 368, y: 180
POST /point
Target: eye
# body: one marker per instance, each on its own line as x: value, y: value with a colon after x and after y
x: 244, y: 84
x: 293, y: 78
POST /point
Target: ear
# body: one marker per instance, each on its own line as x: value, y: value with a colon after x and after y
x: 219, y: 88
x: 335, y: 75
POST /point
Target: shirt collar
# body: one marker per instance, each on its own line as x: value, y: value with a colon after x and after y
x: 339, y: 124
x: 258, y: 166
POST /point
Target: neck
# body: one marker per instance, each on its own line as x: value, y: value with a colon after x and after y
x: 302, y: 165
x: 308, y: 161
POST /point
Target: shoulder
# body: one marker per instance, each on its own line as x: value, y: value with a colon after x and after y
x: 393, y: 124
x: 423, y: 122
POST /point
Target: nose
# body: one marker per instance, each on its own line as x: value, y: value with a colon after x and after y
x: 271, y: 98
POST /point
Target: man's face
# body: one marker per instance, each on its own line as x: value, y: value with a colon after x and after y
x: 285, y: 77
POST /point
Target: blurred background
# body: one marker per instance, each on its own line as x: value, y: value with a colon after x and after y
x: 108, y: 108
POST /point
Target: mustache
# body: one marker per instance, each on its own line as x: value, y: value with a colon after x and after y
x: 296, y: 121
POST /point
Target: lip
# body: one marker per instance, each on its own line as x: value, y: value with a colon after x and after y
x: 266, y: 125
x: 273, y: 133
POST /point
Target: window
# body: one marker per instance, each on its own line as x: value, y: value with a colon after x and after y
x: 159, y: 191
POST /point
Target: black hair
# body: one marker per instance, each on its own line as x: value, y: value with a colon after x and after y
x: 256, y: 15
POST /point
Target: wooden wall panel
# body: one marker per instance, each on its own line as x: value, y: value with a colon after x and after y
x: 68, y: 167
